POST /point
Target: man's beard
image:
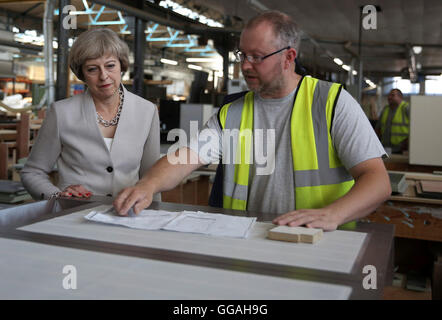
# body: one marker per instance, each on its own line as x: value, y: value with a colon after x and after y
x: 268, y: 89
x: 272, y: 87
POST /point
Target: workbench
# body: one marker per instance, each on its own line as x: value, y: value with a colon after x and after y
x: 38, y: 240
x: 418, y: 229
x: 401, y: 162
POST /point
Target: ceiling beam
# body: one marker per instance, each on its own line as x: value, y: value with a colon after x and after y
x: 33, y: 49
x: 378, y: 44
x: 31, y: 8
x: 166, y: 17
x: 21, y: 2
x: 18, y: 15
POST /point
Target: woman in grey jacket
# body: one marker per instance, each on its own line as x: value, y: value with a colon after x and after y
x: 103, y: 140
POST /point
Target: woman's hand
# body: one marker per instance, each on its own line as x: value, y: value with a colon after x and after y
x: 76, y: 191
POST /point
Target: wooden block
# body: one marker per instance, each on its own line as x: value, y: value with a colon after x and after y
x: 295, y: 234
x: 431, y: 186
x: 284, y: 233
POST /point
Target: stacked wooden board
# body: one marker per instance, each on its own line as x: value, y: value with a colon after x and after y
x: 429, y: 189
x: 12, y: 192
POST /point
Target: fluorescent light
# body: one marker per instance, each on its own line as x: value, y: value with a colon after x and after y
x: 345, y: 67
x: 355, y: 72
x: 255, y: 4
x: 370, y: 83
x: 203, y: 59
x: 417, y: 49
x: 167, y: 61
x: 192, y: 66
x: 187, y: 12
x: 338, y: 61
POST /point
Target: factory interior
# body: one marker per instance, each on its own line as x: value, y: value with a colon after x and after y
x: 185, y: 59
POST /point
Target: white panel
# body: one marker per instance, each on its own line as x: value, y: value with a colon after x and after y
x: 35, y: 271
x: 194, y: 112
x: 426, y: 130
x: 337, y: 251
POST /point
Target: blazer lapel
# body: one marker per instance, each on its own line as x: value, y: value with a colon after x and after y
x: 90, y: 115
x: 122, y: 127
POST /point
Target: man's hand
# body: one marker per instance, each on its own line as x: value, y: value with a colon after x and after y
x: 371, y: 188
x: 311, y: 218
x: 162, y: 176
x: 139, y: 196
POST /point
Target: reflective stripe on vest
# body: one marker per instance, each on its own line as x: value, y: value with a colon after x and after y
x: 319, y: 175
x: 400, y: 124
x: 238, y: 118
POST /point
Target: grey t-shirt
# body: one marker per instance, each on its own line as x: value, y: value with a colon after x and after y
x: 352, y: 136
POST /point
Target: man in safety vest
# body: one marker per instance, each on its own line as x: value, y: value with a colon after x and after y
x: 295, y: 146
x: 393, y: 126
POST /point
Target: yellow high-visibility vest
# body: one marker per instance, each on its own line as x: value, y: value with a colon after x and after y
x: 319, y: 176
x: 400, y: 124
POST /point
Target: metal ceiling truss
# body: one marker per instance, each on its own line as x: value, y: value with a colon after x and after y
x: 173, y: 38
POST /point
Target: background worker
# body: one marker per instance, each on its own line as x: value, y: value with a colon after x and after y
x: 393, y: 127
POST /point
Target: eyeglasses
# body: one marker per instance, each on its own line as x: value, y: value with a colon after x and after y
x: 240, y: 56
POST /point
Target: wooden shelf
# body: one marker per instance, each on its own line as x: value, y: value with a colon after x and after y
x: 16, y: 91
x: 410, y: 194
x: 15, y: 81
x: 18, y: 79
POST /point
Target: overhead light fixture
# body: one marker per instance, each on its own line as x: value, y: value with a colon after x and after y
x: 203, y: 59
x: 167, y: 61
x: 355, y: 73
x: 338, y: 61
x: 345, y: 67
x: 417, y: 49
x: 189, y: 13
x: 258, y: 6
x: 194, y: 67
x: 370, y: 83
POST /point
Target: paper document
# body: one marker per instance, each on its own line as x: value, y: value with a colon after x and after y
x: 185, y: 221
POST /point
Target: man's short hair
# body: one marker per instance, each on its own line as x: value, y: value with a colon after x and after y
x: 399, y: 91
x: 283, y: 26
x: 95, y: 43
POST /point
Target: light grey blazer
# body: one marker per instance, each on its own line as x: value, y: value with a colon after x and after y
x: 70, y: 137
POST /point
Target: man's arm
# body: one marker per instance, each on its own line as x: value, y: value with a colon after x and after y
x: 162, y: 176
x: 371, y: 188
